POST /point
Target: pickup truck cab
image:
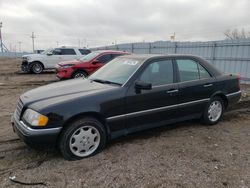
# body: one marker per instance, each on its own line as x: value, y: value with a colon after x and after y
x: 128, y: 94
x: 36, y: 63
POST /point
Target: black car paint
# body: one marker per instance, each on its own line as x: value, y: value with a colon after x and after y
x: 122, y: 110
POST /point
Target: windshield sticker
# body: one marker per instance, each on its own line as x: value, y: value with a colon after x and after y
x: 130, y: 62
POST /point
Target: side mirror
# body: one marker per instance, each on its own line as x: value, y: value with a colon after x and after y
x: 49, y: 53
x: 95, y: 62
x: 140, y: 85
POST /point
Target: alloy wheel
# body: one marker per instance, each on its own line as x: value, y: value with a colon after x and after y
x: 215, y: 111
x: 84, y: 141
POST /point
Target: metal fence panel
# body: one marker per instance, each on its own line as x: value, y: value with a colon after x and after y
x: 230, y: 56
x: 12, y: 54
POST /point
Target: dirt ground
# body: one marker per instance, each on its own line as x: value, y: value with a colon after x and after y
x: 186, y: 154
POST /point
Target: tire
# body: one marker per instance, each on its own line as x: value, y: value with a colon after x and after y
x: 37, y: 68
x: 79, y: 74
x: 213, y: 111
x: 25, y: 68
x: 83, y: 138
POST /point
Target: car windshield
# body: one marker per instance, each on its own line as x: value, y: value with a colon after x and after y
x: 117, y: 71
x: 89, y: 56
x: 46, y: 51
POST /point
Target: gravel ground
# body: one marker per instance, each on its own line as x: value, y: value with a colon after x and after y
x: 186, y: 154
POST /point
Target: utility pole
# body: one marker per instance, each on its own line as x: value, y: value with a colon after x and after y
x: 33, y: 41
x: 20, y: 46
x: 85, y: 43
x: 172, y: 37
x: 10, y: 47
x: 79, y: 43
x: 57, y: 43
x: 1, y: 39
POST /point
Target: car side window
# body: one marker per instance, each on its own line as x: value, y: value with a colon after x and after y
x: 158, y: 73
x: 57, y: 51
x: 188, y: 70
x: 68, y: 51
x: 203, y: 72
x: 104, y: 58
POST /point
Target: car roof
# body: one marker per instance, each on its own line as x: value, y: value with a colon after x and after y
x: 145, y: 57
x: 66, y: 47
x: 152, y: 56
x: 110, y: 51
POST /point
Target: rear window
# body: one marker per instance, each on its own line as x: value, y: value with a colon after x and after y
x: 84, y: 51
x: 188, y: 70
x: 191, y: 70
x: 68, y: 51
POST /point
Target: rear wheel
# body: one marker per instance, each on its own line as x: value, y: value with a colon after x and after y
x: 213, y: 111
x: 37, y: 68
x: 79, y: 74
x: 83, y: 138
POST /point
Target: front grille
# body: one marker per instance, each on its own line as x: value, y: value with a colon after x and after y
x: 19, y: 108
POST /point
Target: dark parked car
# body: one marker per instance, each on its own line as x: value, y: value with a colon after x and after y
x: 130, y: 93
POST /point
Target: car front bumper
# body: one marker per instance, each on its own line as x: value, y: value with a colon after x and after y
x: 64, y: 73
x: 25, y: 66
x: 42, y: 138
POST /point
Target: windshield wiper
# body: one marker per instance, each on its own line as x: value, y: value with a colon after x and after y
x: 105, y: 82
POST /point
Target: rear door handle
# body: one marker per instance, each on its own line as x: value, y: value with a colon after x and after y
x: 173, y: 91
x: 207, y: 85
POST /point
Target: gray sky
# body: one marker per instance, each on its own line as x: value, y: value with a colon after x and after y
x: 102, y: 22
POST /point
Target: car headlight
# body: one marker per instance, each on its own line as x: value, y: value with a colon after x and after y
x: 27, y: 58
x: 34, y: 118
x: 67, y: 66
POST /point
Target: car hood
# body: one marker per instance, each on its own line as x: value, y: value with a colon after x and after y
x: 72, y: 62
x: 33, y: 55
x: 64, y: 90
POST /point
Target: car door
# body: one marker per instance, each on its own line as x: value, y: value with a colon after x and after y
x: 102, y: 59
x: 68, y: 54
x: 51, y: 60
x: 155, y: 107
x: 195, y: 87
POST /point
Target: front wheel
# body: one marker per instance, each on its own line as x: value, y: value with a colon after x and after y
x: 214, y: 111
x: 83, y: 138
x: 79, y: 74
x: 37, y: 68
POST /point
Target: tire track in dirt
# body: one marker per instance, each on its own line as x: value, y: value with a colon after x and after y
x: 10, y: 145
x: 27, y: 166
x: 30, y: 83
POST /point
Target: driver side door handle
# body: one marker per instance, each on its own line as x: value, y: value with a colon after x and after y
x: 207, y: 85
x: 173, y: 91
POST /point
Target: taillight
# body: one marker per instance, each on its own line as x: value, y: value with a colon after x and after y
x: 238, y: 78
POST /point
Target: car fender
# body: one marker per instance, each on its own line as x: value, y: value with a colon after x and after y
x: 31, y: 63
x: 222, y: 95
x: 93, y: 114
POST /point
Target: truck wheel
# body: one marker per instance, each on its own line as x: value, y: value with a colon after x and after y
x: 37, y: 68
x: 83, y: 138
x: 213, y: 111
x: 79, y: 74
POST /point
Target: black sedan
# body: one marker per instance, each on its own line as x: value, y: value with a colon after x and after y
x: 131, y: 93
